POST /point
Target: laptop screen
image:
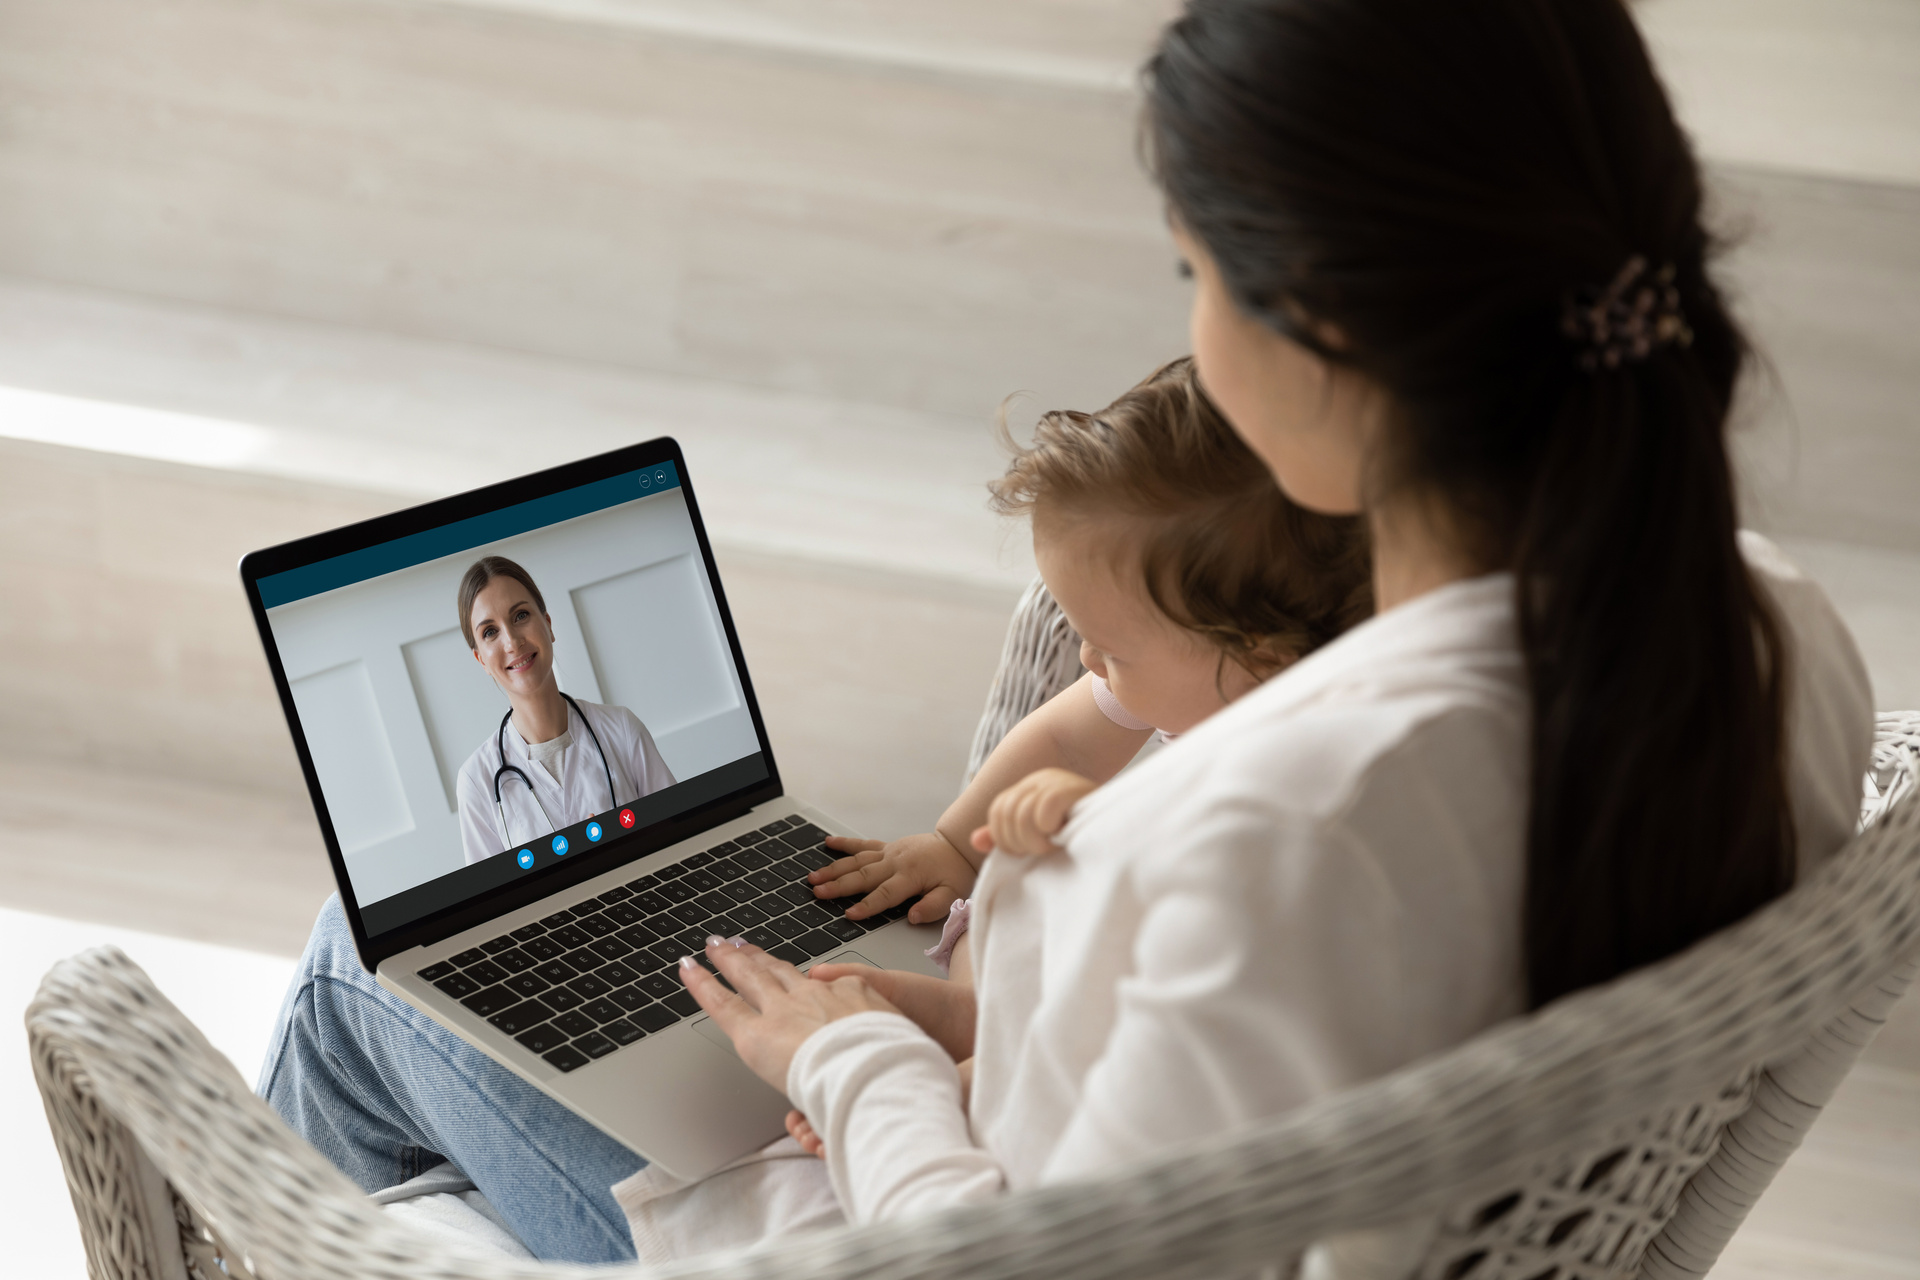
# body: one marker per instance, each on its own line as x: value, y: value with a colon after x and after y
x: 504, y: 692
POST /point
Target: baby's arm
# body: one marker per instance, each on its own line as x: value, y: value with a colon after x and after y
x: 1068, y: 732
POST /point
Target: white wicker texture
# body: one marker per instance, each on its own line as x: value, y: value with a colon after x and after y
x: 1526, y: 1112
x: 1041, y: 657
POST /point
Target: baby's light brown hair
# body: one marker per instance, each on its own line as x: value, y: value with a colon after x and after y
x: 1221, y: 551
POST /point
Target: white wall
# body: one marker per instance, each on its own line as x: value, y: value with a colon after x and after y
x: 392, y: 701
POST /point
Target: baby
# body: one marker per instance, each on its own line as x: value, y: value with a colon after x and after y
x: 1190, y: 579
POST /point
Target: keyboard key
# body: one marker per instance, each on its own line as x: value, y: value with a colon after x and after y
x: 714, y: 904
x: 764, y: 938
x: 542, y: 1039
x: 557, y: 971
x: 473, y: 955
x: 486, y: 973
x: 590, y: 986
x: 746, y: 917
x: 617, y: 974
x: 562, y: 999
x: 514, y: 960
x: 623, y: 913
x: 767, y: 880
x: 651, y: 902
x: 602, y: 1010
x: 870, y: 923
x: 816, y: 912
x: 491, y: 1001
x: 666, y: 953
x: 660, y: 985
x: 585, y: 959
x: 844, y: 929
x: 816, y: 857
x: 655, y: 1017
x: 752, y: 859
x: 620, y: 1031
x: 527, y: 931
x: 594, y: 1045
x: 673, y: 872
x: 643, y: 883
x: 458, y: 985
x: 575, y: 1023
x: 804, y: 836
x: 749, y: 837
x: 597, y: 925
x: 727, y: 869
x: 791, y: 868
x: 631, y: 998
x: 543, y: 948
x: 571, y: 936
x: 796, y: 893
x: 611, y: 948
x: 690, y: 912
x: 697, y: 861
x: 557, y: 919
x: 790, y: 953
x: 724, y: 848
x: 638, y: 935
x: 435, y: 972
x: 775, y: 827
x: 618, y: 893
x: 567, y: 1058
x: 527, y: 984
x: 703, y: 881
x: 528, y: 1013
x: 678, y: 891
x: 494, y: 946
x: 683, y: 1004
x: 788, y: 927
x: 726, y: 926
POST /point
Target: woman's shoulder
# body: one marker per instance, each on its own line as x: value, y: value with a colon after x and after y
x: 611, y: 717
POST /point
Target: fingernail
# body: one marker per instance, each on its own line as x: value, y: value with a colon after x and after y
x: 738, y: 942
x: 688, y: 962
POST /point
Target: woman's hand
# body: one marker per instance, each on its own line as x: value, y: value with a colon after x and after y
x: 889, y: 874
x: 944, y: 1010
x: 1027, y: 815
x: 776, y: 1006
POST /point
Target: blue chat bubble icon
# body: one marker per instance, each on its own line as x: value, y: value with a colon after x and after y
x: 593, y: 832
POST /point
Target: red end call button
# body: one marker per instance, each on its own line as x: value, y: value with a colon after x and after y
x: 626, y: 818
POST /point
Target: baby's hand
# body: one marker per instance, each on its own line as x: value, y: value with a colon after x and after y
x: 1025, y: 817
x: 802, y: 1132
x: 889, y: 874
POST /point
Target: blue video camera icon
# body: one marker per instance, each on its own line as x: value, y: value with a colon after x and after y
x: 526, y: 859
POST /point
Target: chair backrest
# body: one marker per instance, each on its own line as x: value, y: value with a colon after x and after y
x: 1618, y: 1068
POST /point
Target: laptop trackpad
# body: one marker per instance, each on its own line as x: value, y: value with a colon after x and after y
x: 706, y: 1026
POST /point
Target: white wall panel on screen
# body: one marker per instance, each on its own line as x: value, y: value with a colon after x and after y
x: 458, y: 700
x: 350, y: 752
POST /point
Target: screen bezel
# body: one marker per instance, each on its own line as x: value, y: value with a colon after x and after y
x: 619, y: 850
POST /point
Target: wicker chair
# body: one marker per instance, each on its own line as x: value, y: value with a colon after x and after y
x: 1623, y: 1131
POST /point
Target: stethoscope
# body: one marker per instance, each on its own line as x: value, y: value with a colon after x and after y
x: 500, y: 742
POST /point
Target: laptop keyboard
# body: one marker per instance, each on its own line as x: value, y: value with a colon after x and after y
x: 588, y: 981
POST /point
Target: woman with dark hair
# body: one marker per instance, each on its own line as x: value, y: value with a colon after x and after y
x: 1450, y: 274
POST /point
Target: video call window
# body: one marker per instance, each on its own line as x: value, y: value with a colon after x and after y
x: 415, y: 667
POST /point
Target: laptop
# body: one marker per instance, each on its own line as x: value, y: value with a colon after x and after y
x: 544, y: 935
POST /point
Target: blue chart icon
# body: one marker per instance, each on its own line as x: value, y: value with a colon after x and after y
x: 593, y: 832
x: 526, y: 859
x: 559, y: 846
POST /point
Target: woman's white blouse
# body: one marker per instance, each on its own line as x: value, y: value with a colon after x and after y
x: 1316, y: 886
x: 577, y: 794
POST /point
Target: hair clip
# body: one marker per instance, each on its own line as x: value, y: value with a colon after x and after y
x: 1627, y: 321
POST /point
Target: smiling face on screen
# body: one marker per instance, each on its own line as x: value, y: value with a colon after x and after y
x: 513, y: 639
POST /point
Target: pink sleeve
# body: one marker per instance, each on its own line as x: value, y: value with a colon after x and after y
x: 1110, y: 706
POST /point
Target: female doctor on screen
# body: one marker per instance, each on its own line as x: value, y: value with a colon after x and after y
x: 553, y: 760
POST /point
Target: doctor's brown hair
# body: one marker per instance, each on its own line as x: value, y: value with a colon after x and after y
x: 1221, y: 551
x: 1422, y: 193
x: 475, y: 580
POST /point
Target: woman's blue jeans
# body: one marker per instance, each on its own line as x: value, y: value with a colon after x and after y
x: 385, y: 1093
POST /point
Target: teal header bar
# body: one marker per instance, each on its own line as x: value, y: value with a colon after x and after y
x: 465, y: 535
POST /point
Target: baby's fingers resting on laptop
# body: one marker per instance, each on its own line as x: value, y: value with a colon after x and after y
x: 891, y: 874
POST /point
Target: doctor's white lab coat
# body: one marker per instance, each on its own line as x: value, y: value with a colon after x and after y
x: 580, y: 792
